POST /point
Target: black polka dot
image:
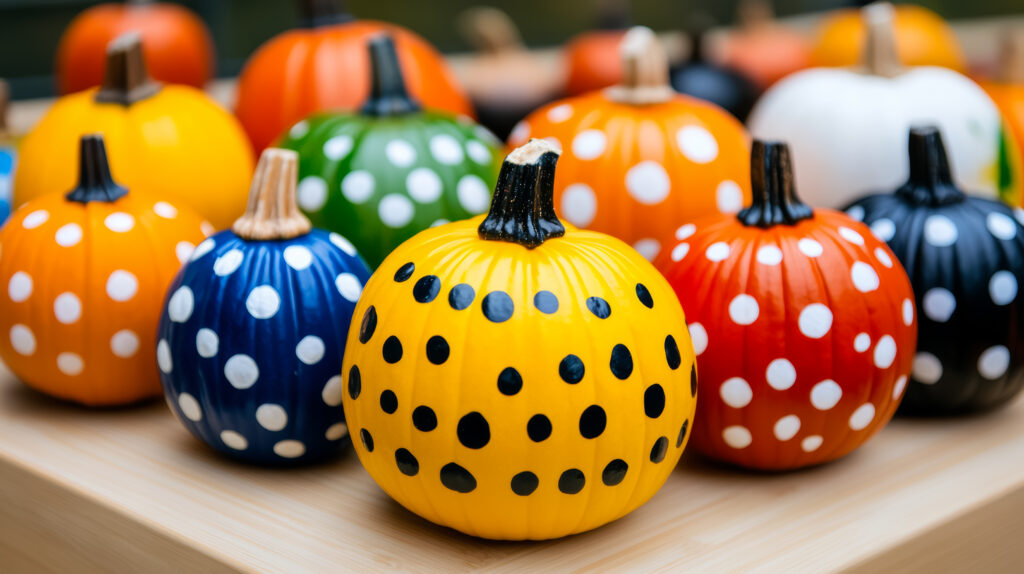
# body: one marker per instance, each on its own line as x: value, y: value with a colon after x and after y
x: 644, y: 296
x: 355, y: 383
x: 369, y: 325
x: 672, y: 353
x: 406, y: 462
x: 622, y: 362
x: 388, y: 401
x: 693, y: 380
x: 437, y: 350
x: 592, y: 422
x: 426, y: 289
x: 473, y: 430
x: 498, y: 306
x: 682, y: 433
x: 456, y: 478
x: 461, y: 296
x: 510, y: 381
x: 546, y: 302
x: 599, y: 307
x: 614, y: 472
x: 405, y: 272
x: 424, y: 419
x: 571, y: 369
x: 571, y: 481
x: 654, y: 401
x: 659, y: 449
x: 392, y: 350
x: 524, y: 483
x: 538, y: 428
x: 367, y: 439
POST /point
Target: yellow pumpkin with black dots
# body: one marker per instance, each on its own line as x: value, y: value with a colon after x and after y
x: 516, y: 379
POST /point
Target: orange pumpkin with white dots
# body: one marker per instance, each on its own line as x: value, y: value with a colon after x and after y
x: 83, y: 277
x: 514, y: 378
x: 803, y: 323
x: 639, y: 158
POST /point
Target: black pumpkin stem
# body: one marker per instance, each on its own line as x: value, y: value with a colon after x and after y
x: 125, y: 79
x: 523, y: 207
x: 931, y: 180
x: 388, y: 96
x: 317, y: 13
x: 774, y: 191
x: 94, y: 180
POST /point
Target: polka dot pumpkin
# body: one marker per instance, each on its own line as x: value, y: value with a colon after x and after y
x: 965, y: 258
x: 640, y: 159
x: 392, y: 170
x: 803, y: 322
x: 81, y: 279
x: 254, y: 327
x: 516, y: 379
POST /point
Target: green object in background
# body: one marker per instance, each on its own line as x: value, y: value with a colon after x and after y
x: 381, y: 176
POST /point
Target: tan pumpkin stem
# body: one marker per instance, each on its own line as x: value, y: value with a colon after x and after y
x: 490, y: 30
x: 272, y: 212
x: 1011, y: 58
x: 644, y: 70
x: 880, y: 57
x: 755, y: 14
x: 126, y: 79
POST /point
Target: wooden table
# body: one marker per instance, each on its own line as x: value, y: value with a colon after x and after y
x: 130, y: 490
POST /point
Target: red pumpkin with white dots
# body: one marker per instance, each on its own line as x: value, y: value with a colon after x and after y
x: 803, y: 323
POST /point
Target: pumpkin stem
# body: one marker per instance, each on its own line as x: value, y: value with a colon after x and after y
x: 388, y: 96
x: 644, y: 70
x: 931, y: 180
x: 773, y: 188
x: 490, y: 30
x: 126, y: 80
x: 880, y: 57
x: 754, y: 14
x: 523, y: 207
x: 317, y: 13
x: 1011, y: 58
x: 94, y: 180
x: 272, y: 212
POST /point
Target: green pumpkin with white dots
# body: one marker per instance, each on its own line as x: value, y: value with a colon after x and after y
x: 392, y: 170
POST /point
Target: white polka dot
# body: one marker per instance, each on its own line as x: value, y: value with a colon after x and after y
x: 927, y: 368
x: 697, y: 144
x: 20, y: 287
x: 1002, y: 287
x: 358, y: 186
x: 1001, y: 226
x: 717, y: 251
x: 181, y: 304
x: 119, y: 222
x: 908, y: 312
x: 479, y: 153
x: 336, y: 431
x: 589, y: 144
x: 940, y: 231
x: 883, y: 229
x: 851, y: 236
x: 856, y: 213
x: 343, y: 244
x: 183, y: 250
x: 190, y: 407
x: 439, y: 222
x: 648, y: 247
x: 241, y: 371
x: 163, y: 356
x: 35, y: 219
x: 938, y: 304
x: 311, y: 193
x: 332, y: 391
x: 897, y: 389
x: 864, y: 277
x: 811, y: 443
x: 579, y: 205
x: 685, y: 231
x: 680, y: 251
x: 826, y: 394
x: 699, y: 336
x: 227, y: 264
x: 861, y: 342
x: 207, y: 228
x: 122, y: 285
x: 882, y: 255
x: 234, y: 440
x: 67, y: 307
x: 207, y: 343
x: 298, y: 130
x: 298, y: 257
x: 423, y: 185
x: 729, y: 197
x: 337, y: 147
x: 124, y: 344
x: 446, y: 149
x: 648, y: 183
x: 885, y: 352
x: 290, y: 449
x: 400, y: 153
x: 559, y: 113
x: 743, y: 309
x: 479, y: 131
x: 349, y: 286
x: 310, y: 349
x: 787, y: 427
x: 271, y: 417
x: 474, y: 195
x: 736, y: 392
x: 203, y: 248
x: 810, y: 247
x: 815, y: 320
x: 862, y: 417
x: 165, y: 210
x: 70, y: 364
x: 737, y: 436
x: 520, y: 132
x: 994, y: 362
x: 780, y: 374
x: 263, y: 302
x: 68, y: 235
x: 769, y: 255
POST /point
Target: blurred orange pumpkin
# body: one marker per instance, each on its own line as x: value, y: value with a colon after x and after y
x: 593, y: 61
x: 763, y: 49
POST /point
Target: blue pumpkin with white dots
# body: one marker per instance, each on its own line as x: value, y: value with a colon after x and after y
x: 254, y: 328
